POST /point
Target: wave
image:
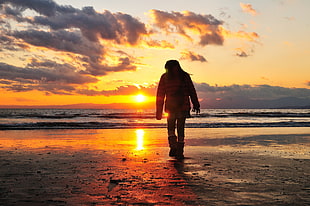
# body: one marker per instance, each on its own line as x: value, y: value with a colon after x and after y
x: 105, y: 119
x: 105, y: 125
x: 145, y: 115
x: 71, y: 114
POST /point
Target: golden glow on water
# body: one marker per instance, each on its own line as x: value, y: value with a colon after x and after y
x: 140, y: 139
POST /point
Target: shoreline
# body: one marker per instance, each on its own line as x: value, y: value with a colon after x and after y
x: 131, y: 167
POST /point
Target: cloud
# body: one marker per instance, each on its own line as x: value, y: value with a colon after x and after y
x: 75, y: 43
x: 249, y: 36
x: 43, y: 7
x: 262, y: 92
x: 247, y: 8
x: 61, y: 40
x: 119, y: 27
x: 69, y: 48
x: 123, y: 64
x: 47, y: 76
x: 183, y: 23
x: 160, y: 44
x: 54, y: 78
x: 247, y: 96
x: 241, y: 53
x: 189, y: 55
x: 122, y: 90
x: 80, y: 32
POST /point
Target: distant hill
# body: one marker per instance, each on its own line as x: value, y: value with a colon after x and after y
x: 244, y: 103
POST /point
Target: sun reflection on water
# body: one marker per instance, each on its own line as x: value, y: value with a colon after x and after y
x: 140, y: 139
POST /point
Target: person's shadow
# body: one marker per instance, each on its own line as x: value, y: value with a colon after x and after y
x: 178, y: 165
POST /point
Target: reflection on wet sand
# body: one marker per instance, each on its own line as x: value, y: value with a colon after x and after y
x: 79, y: 139
x: 140, y: 139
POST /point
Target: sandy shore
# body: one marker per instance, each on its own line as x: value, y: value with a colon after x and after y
x: 257, y: 166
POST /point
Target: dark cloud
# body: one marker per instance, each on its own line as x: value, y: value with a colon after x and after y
x: 122, y: 28
x: 132, y: 28
x: 62, y: 41
x: 189, y: 55
x: 75, y: 31
x: 47, y: 76
x: 122, y: 90
x: 252, y: 92
x: 207, y: 26
x: 246, y: 96
x: 43, y: 7
x: 75, y: 43
x: 51, y: 77
x: 124, y: 64
x: 6, y: 43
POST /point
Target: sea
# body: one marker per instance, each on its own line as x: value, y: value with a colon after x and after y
x: 19, y: 119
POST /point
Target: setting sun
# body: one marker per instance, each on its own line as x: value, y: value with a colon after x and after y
x: 140, y: 98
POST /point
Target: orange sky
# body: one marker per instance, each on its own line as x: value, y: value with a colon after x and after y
x: 52, y: 54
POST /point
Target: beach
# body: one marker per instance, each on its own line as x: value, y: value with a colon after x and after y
x: 223, y: 166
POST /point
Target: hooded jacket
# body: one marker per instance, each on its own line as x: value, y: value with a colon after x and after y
x: 176, y: 94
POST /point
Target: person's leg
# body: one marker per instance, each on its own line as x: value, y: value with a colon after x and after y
x: 172, y: 138
x: 171, y: 121
x: 181, y: 135
x: 181, y: 128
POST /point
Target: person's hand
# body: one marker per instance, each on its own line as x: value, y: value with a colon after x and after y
x: 197, y: 110
x: 159, y: 115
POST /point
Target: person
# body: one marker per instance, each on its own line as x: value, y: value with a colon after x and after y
x: 175, y: 91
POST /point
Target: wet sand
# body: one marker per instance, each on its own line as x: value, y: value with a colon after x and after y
x: 233, y: 166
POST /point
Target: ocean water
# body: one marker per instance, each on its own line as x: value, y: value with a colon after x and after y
x: 11, y: 119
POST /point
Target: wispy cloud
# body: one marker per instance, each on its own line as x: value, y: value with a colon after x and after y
x: 241, y: 53
x: 192, y: 56
x: 247, y: 8
x: 160, y: 44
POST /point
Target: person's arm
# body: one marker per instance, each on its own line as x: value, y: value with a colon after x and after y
x: 193, y: 96
x: 160, y: 98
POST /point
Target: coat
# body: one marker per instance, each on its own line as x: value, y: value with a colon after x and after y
x: 176, y: 94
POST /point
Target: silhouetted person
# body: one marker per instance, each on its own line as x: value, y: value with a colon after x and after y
x: 174, y: 89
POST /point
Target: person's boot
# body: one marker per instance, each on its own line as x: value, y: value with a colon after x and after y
x: 173, y: 146
x: 180, y: 151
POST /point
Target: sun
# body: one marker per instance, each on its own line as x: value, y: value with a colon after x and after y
x: 140, y: 98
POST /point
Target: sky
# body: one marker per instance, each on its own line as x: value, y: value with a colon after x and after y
x: 56, y: 52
